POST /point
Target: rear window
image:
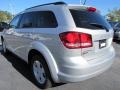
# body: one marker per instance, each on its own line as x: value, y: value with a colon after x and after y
x: 89, y: 20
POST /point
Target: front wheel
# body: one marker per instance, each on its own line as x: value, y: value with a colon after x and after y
x: 4, y: 50
x: 40, y: 72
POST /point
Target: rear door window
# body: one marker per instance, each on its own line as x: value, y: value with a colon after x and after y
x: 89, y: 20
x: 27, y: 20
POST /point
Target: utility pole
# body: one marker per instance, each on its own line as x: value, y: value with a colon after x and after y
x: 12, y: 9
x: 84, y: 2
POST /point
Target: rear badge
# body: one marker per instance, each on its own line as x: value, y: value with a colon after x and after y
x: 102, y: 43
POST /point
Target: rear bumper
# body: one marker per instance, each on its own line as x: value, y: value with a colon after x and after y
x: 89, y: 70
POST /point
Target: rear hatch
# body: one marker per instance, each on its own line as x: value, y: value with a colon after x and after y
x: 89, y: 20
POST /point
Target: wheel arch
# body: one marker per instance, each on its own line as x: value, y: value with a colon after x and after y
x: 36, y: 48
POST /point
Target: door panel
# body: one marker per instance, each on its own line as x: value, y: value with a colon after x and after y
x: 11, y: 33
x: 23, y: 40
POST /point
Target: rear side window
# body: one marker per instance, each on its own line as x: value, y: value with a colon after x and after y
x: 89, y: 20
x: 27, y: 21
x: 45, y: 19
x: 38, y: 19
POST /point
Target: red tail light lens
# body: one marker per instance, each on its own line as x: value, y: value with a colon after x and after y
x: 86, y: 40
x: 91, y: 9
x: 74, y: 40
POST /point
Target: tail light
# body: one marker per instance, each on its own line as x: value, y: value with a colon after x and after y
x: 73, y: 40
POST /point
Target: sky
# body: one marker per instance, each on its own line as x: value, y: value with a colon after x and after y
x: 16, y: 6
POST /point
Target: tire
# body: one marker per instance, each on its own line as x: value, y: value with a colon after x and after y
x: 40, y: 72
x: 4, y: 50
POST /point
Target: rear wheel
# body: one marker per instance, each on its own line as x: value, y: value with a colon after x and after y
x: 40, y: 72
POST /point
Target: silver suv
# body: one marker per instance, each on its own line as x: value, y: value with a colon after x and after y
x: 61, y: 42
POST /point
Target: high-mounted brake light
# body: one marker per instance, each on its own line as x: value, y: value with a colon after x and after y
x: 91, y: 9
x: 73, y: 40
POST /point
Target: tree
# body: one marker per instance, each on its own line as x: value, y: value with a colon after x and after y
x: 5, y: 16
x: 114, y: 15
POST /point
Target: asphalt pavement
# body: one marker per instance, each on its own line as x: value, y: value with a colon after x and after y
x: 15, y: 75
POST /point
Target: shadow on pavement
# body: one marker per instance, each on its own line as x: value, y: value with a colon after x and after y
x: 21, y: 66
x: 116, y: 41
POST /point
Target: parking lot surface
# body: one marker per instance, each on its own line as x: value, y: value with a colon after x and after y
x: 15, y: 75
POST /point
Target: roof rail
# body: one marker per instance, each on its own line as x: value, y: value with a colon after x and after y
x: 54, y: 3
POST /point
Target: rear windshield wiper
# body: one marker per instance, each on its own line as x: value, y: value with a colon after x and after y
x: 100, y: 26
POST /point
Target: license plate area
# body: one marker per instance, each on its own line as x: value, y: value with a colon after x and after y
x: 102, y: 43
